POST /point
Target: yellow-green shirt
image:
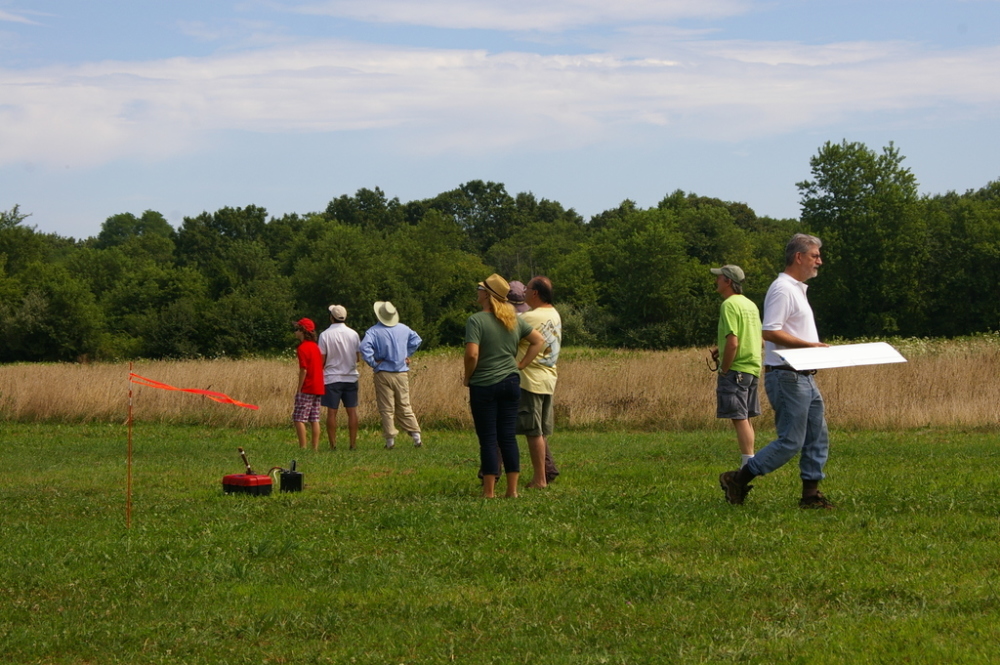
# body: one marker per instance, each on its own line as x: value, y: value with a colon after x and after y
x: 739, y: 316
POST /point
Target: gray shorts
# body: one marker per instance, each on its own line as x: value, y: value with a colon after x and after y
x: 736, y: 396
x: 534, y: 414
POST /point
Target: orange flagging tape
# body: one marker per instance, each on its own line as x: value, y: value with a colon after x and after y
x: 211, y: 394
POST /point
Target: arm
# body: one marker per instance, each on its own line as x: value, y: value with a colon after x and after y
x: 367, y: 350
x: 535, y: 344
x: 321, y: 345
x: 777, y: 307
x: 303, y: 357
x: 471, y: 360
x: 729, y: 353
x: 781, y: 338
x: 412, y: 344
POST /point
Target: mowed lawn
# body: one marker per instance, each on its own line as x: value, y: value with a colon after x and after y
x: 632, y: 556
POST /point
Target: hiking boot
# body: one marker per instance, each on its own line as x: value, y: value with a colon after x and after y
x: 735, y: 492
x: 816, y: 501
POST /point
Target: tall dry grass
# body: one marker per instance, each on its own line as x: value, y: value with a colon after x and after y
x: 945, y: 383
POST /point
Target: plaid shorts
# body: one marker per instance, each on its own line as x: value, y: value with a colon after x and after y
x: 306, y: 408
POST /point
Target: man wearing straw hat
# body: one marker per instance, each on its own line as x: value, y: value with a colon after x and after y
x: 387, y: 348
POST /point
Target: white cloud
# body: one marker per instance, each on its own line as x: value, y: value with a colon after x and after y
x: 472, y: 101
x: 522, y: 15
x: 15, y: 18
x: 245, y: 33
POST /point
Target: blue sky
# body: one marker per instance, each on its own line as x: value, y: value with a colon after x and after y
x: 183, y: 107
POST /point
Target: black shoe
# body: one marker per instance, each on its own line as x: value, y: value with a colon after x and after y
x: 735, y: 492
x: 816, y: 501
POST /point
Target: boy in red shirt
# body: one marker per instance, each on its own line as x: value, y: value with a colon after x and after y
x: 311, y: 388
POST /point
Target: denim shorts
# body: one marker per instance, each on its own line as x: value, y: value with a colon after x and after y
x: 736, y: 396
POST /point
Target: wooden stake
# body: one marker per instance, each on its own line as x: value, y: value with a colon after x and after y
x: 128, y: 464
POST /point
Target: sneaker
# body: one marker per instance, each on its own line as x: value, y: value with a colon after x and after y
x: 735, y: 493
x: 816, y: 501
x: 390, y: 442
x: 417, y: 441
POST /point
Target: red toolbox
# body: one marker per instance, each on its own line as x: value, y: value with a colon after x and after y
x: 245, y: 483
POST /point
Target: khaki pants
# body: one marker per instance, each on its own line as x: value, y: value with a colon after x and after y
x: 392, y: 393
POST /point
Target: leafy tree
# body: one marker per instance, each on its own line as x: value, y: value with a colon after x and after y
x: 710, y: 230
x: 117, y: 229
x: 55, y: 316
x: 292, y: 238
x: 254, y: 317
x: 181, y: 329
x: 202, y: 238
x: 240, y: 262
x: 346, y: 265
x: 23, y: 245
x: 368, y: 209
x: 484, y: 210
x: 557, y: 249
x: 656, y: 293
x: 963, y: 261
x: 865, y: 208
x: 434, y: 279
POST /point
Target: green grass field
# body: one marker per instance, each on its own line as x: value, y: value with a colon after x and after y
x: 631, y: 556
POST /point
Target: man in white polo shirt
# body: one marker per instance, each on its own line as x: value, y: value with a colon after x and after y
x: 798, y: 406
x: 339, y: 346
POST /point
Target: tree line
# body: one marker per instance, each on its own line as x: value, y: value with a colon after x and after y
x: 230, y: 283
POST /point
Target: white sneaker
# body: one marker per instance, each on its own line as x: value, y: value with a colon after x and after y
x: 390, y: 442
x: 417, y: 442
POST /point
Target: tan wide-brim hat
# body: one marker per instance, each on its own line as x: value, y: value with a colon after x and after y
x: 496, y: 286
x: 386, y: 313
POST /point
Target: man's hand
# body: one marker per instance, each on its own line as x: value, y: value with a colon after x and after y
x: 713, y: 359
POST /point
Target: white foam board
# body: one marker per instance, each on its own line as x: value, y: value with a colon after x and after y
x: 843, y: 355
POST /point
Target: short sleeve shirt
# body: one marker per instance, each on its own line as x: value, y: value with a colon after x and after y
x: 786, y: 308
x: 540, y: 375
x: 340, y: 346
x: 312, y: 362
x: 497, y: 347
x: 739, y: 316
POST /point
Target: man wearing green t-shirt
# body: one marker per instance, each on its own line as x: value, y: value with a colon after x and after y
x: 739, y: 341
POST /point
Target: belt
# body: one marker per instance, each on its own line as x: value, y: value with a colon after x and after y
x: 789, y: 368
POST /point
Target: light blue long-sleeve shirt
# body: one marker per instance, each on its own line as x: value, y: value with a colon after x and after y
x: 386, y: 349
